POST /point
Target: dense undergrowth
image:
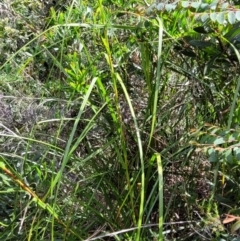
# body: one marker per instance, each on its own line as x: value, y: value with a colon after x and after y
x: 119, y: 121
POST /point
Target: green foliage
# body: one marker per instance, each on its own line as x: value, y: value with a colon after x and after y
x: 222, y: 146
x: 126, y: 123
x: 220, y: 12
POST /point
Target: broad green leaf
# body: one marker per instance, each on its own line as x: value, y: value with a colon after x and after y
x: 235, y: 226
x: 186, y: 4
x: 204, y: 17
x: 237, y: 14
x: 203, y: 29
x: 151, y: 8
x: 210, y: 139
x: 213, y: 5
x: 224, y: 132
x: 231, y: 17
x: 204, y: 6
x: 195, y: 4
x: 236, y: 152
x: 213, y: 16
x: 160, y: 6
x: 200, y: 43
x: 204, y: 139
x: 170, y: 7
x: 214, y: 130
x: 188, y: 53
x: 228, y: 156
x: 219, y: 141
x: 200, y: 29
x: 224, y: 6
x: 233, y: 137
x: 213, y: 155
x: 220, y: 18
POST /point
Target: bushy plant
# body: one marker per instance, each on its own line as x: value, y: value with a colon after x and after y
x: 126, y: 122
